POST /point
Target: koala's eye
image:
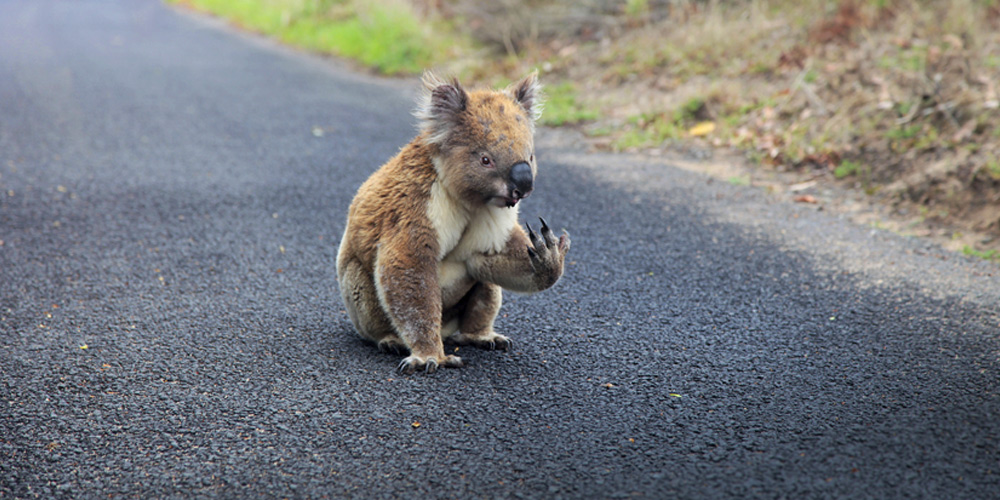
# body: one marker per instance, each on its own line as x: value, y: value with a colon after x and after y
x: 532, y: 160
x: 486, y: 161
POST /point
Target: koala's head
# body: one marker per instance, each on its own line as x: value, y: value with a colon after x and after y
x: 485, y: 150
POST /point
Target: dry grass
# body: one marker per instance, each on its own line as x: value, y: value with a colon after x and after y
x: 897, y: 97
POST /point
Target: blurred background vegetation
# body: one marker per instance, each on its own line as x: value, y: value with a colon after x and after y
x: 896, y: 98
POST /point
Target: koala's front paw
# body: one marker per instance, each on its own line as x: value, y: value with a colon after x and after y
x: 430, y: 364
x: 547, y: 253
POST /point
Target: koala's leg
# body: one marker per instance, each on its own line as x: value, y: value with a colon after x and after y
x: 406, y: 285
x: 358, y: 291
x: 476, y: 323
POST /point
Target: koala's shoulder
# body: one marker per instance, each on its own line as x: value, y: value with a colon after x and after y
x: 394, y: 199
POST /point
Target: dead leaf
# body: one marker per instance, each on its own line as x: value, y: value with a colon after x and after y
x: 830, y: 160
x: 954, y: 41
x: 802, y: 186
x: 933, y: 55
x: 703, y: 128
x: 805, y: 198
x: 568, y: 50
x: 793, y: 58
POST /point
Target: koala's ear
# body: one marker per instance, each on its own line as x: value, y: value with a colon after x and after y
x: 439, y: 106
x: 528, y: 93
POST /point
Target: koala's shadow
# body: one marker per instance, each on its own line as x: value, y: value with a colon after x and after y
x: 351, y: 348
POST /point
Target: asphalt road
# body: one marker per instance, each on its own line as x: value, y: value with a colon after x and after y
x: 171, y: 196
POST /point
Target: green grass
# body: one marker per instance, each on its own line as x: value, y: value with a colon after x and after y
x: 651, y: 129
x: 913, y: 59
x: 992, y: 168
x: 902, y: 133
x: 636, y: 8
x: 914, y: 136
x: 993, y: 255
x: 385, y: 35
x: 602, y: 131
x: 648, y: 130
x: 562, y: 106
x: 846, y: 168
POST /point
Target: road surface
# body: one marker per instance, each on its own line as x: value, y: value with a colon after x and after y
x: 171, y: 196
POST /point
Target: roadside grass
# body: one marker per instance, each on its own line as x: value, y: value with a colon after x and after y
x: 992, y: 255
x: 563, y: 106
x: 895, y: 97
x: 386, y: 35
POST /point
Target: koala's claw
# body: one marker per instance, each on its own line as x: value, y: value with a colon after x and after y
x: 411, y: 364
x: 533, y: 236
x: 504, y: 344
x: 550, y: 237
x: 488, y: 341
x: 405, y: 367
x: 541, y: 245
x: 497, y: 343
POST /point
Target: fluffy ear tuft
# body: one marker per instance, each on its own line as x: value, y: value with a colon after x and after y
x: 528, y: 93
x: 439, y: 105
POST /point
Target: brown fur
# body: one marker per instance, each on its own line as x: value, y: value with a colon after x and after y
x: 432, y: 235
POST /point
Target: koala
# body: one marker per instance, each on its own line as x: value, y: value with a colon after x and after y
x: 433, y: 235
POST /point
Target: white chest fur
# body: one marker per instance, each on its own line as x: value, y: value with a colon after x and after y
x: 463, y: 233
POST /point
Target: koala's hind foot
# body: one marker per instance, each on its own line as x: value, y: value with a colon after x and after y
x: 392, y: 344
x: 429, y: 364
x: 476, y: 325
x: 487, y: 340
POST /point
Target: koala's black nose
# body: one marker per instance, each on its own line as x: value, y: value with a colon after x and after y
x: 522, y: 179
